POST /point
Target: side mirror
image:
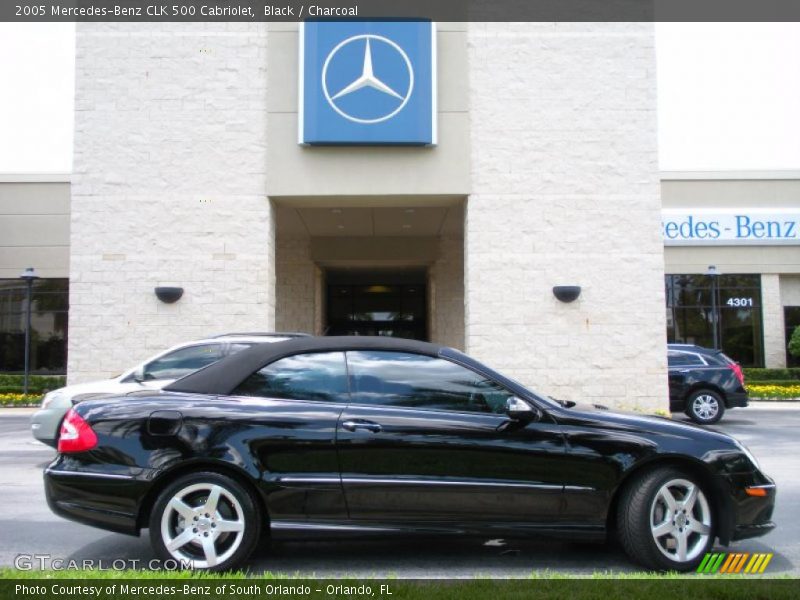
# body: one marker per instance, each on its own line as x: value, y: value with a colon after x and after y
x: 138, y: 375
x: 519, y: 410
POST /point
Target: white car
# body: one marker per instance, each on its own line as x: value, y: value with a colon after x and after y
x: 154, y: 373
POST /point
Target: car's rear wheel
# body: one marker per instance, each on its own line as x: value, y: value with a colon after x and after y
x: 205, y: 521
x: 665, y: 520
x: 705, y: 407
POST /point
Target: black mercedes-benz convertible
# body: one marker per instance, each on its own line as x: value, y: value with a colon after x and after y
x: 359, y: 436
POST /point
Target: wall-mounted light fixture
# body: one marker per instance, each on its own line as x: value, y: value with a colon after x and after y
x: 169, y: 295
x: 567, y: 293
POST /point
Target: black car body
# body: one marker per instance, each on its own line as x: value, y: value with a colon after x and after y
x: 376, y: 436
x: 703, y: 382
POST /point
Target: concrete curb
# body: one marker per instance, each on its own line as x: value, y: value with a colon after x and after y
x: 17, y: 410
x: 782, y: 401
x: 773, y: 404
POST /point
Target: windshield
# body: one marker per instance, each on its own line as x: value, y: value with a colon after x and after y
x: 508, y: 382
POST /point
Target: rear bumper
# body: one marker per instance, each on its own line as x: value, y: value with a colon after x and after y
x: 98, y: 499
x: 736, y: 399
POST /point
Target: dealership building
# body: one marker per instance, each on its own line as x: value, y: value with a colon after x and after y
x: 450, y: 182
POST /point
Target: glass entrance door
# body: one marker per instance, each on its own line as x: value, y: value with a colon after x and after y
x: 383, y: 303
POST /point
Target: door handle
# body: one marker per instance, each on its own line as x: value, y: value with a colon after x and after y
x: 353, y: 425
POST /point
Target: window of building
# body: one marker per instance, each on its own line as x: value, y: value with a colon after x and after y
x: 416, y: 381
x: 49, y: 311
x: 318, y: 376
x: 738, y: 300
x: 791, y: 319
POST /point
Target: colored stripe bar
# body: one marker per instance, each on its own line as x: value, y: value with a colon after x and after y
x: 727, y: 566
x: 715, y: 567
x: 752, y: 562
x: 765, y: 563
x: 704, y: 562
x: 741, y: 562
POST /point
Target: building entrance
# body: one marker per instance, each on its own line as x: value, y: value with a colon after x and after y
x: 390, y: 303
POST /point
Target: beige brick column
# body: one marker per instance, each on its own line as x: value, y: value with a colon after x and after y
x: 565, y: 191
x: 772, y: 310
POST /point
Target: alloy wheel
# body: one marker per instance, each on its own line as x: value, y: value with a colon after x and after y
x: 705, y: 406
x: 680, y: 520
x: 202, y: 524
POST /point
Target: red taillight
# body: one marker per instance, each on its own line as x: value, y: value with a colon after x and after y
x: 76, y: 434
x: 737, y: 370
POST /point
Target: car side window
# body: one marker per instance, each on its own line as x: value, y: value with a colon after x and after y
x: 320, y: 376
x: 418, y: 381
x: 182, y: 362
x: 684, y: 359
x: 238, y: 347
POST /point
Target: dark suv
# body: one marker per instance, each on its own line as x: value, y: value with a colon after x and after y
x: 703, y: 382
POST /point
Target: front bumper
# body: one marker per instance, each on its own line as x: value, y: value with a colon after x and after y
x: 753, y: 514
x: 45, y: 424
x: 744, y: 532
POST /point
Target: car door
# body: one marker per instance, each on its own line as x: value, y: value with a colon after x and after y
x: 299, y: 401
x: 677, y: 379
x: 425, y: 439
x: 683, y: 369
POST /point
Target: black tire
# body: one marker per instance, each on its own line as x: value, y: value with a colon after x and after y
x: 705, y: 407
x: 641, y: 501
x: 232, y: 531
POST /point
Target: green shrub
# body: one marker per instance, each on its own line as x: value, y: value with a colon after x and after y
x: 794, y: 343
x: 752, y: 374
x: 20, y: 400
x: 770, y: 392
x: 37, y: 384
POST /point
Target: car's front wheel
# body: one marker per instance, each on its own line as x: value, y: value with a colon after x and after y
x: 705, y: 407
x: 665, y: 520
x: 205, y: 521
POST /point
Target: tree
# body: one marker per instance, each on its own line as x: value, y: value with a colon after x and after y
x: 794, y: 343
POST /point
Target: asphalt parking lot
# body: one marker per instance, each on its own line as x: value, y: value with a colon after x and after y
x: 29, y: 528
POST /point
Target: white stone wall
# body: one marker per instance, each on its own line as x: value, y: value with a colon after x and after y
x: 168, y: 189
x: 295, y: 276
x: 446, y: 283
x: 565, y: 190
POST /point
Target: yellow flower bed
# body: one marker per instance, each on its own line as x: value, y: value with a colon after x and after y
x: 20, y: 399
x: 773, y: 391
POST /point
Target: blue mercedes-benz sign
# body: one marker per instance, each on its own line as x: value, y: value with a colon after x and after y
x: 367, y: 82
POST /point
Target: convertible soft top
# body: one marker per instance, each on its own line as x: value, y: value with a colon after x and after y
x: 224, y: 376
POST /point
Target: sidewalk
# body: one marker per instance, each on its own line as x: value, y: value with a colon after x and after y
x: 774, y: 404
x: 12, y: 411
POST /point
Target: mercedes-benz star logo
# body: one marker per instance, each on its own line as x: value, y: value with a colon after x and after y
x: 368, y: 79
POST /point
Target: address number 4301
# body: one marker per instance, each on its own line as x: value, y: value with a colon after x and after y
x: 739, y: 302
